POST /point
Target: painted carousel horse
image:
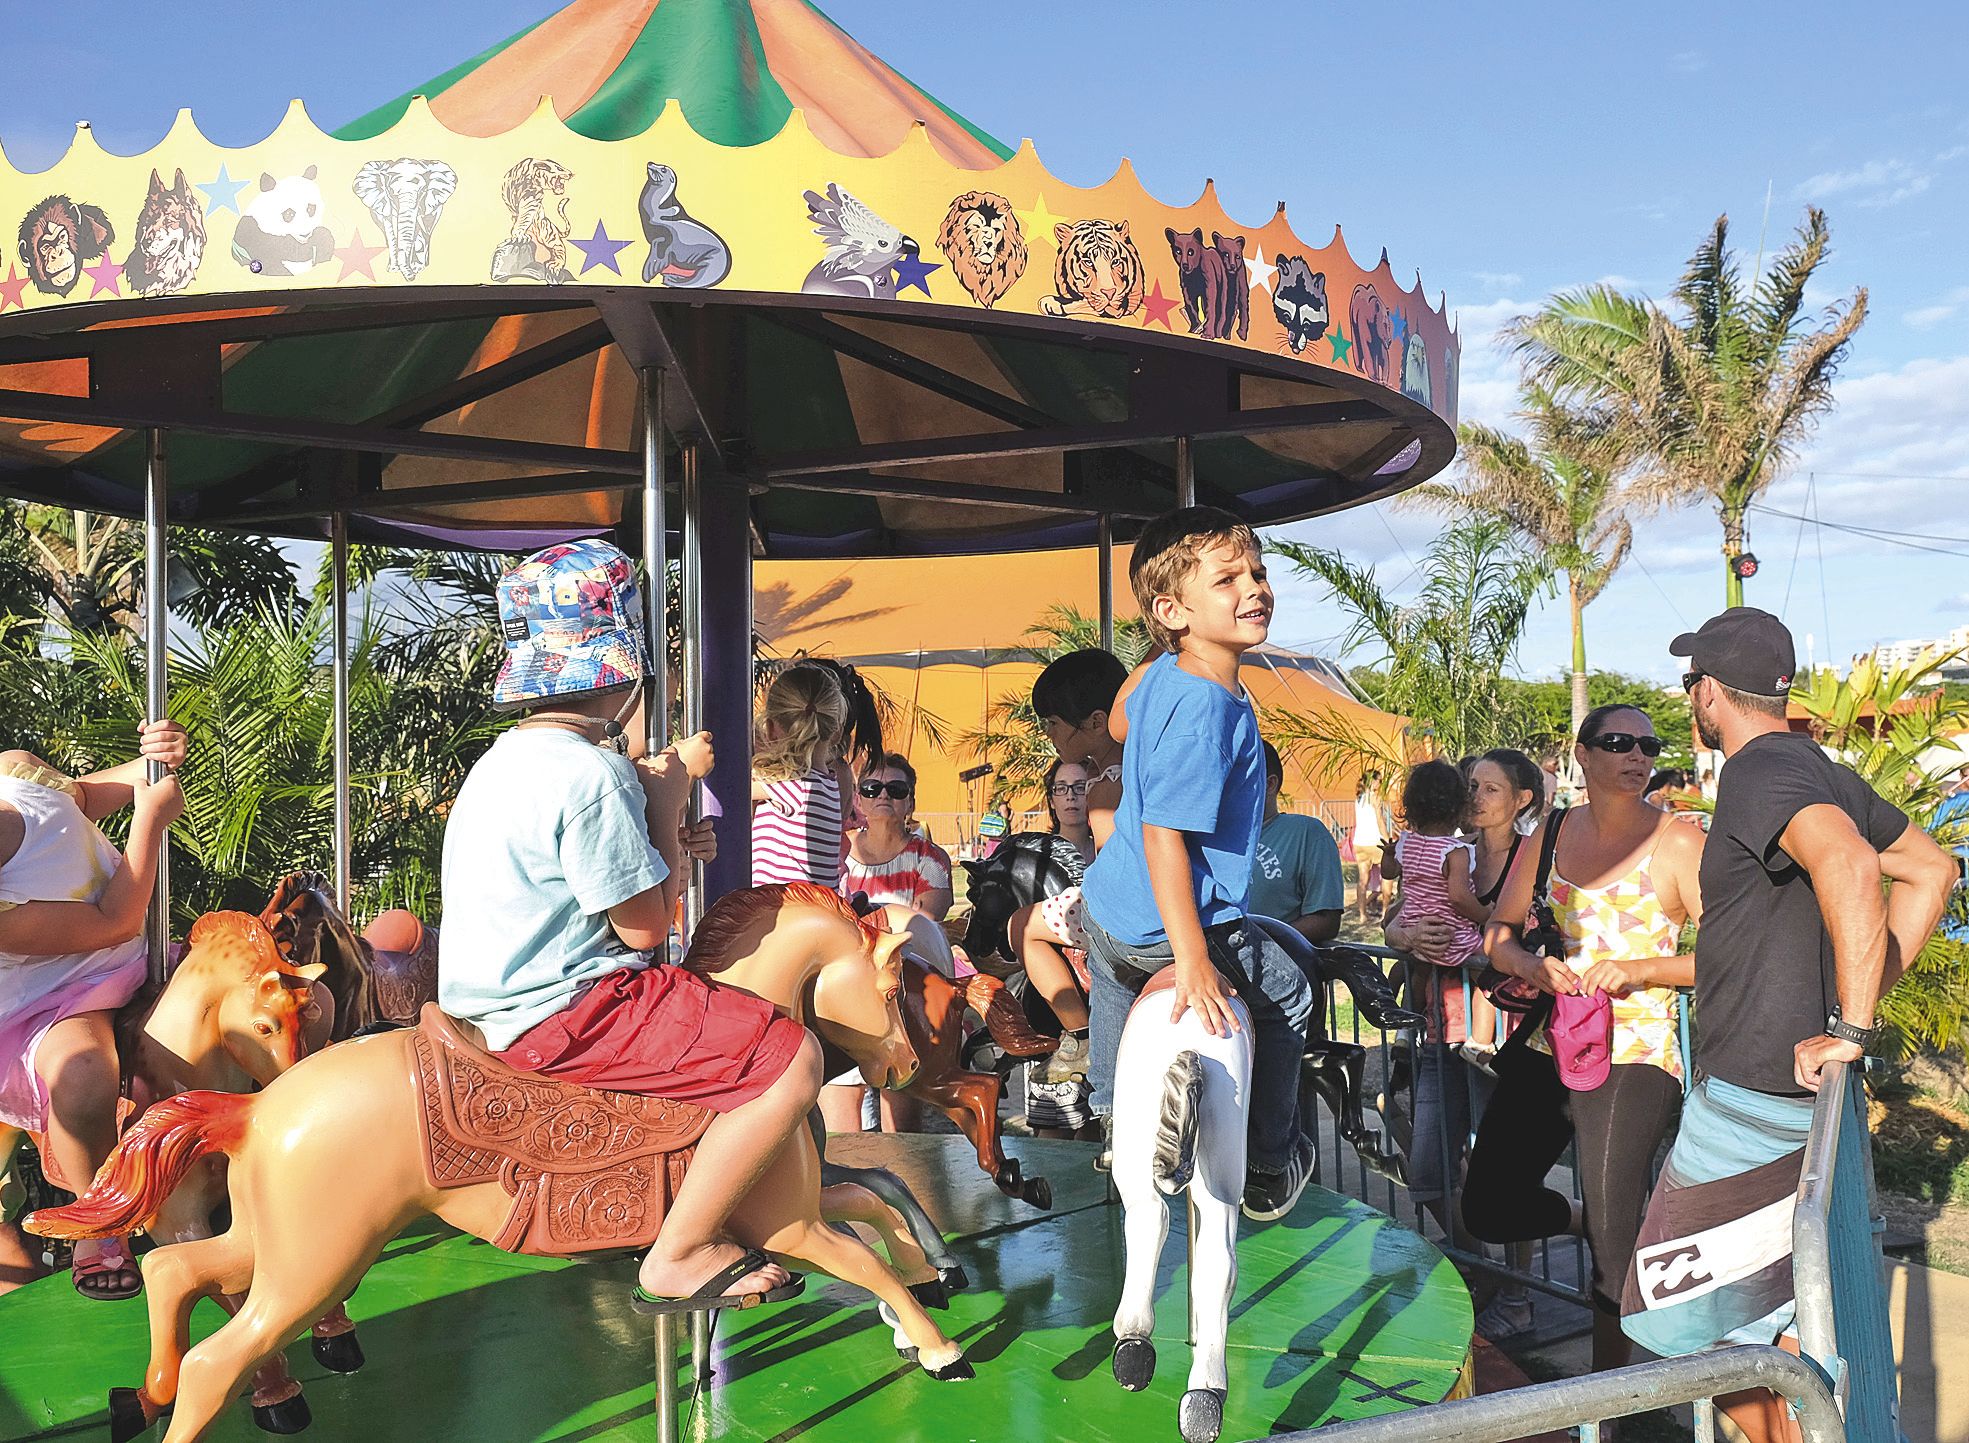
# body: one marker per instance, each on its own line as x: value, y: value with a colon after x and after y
x: 1030, y: 866
x: 1180, y: 1101
x: 336, y: 1156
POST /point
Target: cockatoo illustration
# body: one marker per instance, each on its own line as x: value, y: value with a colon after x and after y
x: 862, y: 248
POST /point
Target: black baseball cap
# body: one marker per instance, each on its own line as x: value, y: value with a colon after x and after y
x: 1744, y: 648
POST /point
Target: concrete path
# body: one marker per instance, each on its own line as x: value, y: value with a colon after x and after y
x: 1931, y: 1339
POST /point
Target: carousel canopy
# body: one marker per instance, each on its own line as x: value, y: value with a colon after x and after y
x: 896, y: 334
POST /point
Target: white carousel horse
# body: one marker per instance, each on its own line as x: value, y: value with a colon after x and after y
x: 1180, y: 1102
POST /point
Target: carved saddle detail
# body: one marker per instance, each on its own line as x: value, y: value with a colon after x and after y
x: 586, y: 1169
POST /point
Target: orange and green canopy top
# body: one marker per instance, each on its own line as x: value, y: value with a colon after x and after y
x: 897, y: 334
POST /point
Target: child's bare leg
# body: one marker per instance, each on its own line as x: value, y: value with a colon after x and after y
x: 733, y: 1152
x: 900, y: 1112
x: 19, y: 1263
x: 1483, y: 1021
x: 840, y: 1106
x: 77, y: 1064
x: 1046, y: 965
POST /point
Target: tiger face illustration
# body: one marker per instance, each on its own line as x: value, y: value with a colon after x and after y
x: 1099, y: 272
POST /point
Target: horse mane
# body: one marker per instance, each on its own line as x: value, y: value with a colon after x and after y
x: 728, y: 919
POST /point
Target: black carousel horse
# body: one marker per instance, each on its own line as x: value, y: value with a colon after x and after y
x: 1028, y: 867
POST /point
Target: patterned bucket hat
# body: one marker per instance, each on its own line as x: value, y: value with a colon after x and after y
x: 572, y: 619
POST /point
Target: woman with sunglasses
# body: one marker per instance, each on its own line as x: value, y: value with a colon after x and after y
x: 1623, y: 882
x: 889, y: 858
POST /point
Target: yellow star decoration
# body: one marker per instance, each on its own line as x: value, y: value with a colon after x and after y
x: 1039, y: 223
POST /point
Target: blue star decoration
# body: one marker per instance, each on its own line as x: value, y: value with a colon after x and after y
x: 1400, y: 324
x: 222, y: 193
x: 912, y: 270
x: 599, y: 250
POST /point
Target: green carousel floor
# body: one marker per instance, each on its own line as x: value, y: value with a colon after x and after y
x: 1339, y: 1313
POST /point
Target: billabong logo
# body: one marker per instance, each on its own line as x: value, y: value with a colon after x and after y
x: 1672, y: 1271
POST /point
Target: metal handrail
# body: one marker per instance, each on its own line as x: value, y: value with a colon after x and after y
x: 1811, y: 1233
x: 1547, y: 1407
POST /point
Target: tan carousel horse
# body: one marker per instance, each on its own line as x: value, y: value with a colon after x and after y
x: 337, y: 1156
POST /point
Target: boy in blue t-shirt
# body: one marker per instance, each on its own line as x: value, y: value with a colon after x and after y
x: 1171, y: 886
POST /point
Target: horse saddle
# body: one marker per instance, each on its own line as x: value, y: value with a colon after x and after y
x: 587, y: 1170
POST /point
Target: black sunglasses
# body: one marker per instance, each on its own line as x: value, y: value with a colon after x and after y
x: 1621, y: 742
x: 896, y: 790
x: 1691, y: 677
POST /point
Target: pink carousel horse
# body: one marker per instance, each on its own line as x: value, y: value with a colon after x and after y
x: 335, y: 1157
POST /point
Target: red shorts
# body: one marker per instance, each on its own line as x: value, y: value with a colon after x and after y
x: 663, y: 1032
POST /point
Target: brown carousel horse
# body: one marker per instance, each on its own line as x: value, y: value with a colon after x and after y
x: 335, y: 1157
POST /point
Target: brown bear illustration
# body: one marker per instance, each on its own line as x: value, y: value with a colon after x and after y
x: 1237, y: 296
x: 1204, y: 282
x: 1374, y: 333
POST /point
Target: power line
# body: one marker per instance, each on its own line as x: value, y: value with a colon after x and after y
x: 1825, y: 606
x: 1657, y: 586
x: 1875, y: 533
x: 1798, y: 544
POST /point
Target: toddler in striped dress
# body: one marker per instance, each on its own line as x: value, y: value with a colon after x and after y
x: 799, y: 815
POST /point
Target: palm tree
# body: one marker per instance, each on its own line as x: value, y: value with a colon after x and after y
x: 1442, y: 656
x: 1559, y: 488
x: 1717, y: 394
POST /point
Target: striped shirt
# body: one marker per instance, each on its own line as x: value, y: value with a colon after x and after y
x: 797, y: 832
x: 919, y: 868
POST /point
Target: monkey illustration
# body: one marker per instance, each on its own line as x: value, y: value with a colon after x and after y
x: 56, y: 237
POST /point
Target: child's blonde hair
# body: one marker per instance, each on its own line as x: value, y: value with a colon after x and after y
x: 802, y: 718
x: 1169, y: 551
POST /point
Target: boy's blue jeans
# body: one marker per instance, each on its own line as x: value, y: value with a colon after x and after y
x: 1269, y: 983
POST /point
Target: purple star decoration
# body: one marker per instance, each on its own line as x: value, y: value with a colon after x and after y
x: 912, y: 270
x: 599, y: 250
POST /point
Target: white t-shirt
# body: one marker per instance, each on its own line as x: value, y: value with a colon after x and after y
x: 547, y: 834
x: 1367, y: 821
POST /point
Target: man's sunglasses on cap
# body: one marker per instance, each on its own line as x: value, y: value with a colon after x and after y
x: 1619, y: 743
x: 1691, y: 677
x: 896, y: 790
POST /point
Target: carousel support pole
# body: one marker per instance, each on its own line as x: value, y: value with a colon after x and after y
x: 1185, y: 473
x: 338, y: 565
x: 157, y: 620
x: 656, y: 593
x: 724, y: 647
x: 691, y: 623
x: 701, y: 1324
x: 666, y: 1378
x: 1106, y: 545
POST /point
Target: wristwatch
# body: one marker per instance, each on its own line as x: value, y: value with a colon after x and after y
x: 1836, y: 1026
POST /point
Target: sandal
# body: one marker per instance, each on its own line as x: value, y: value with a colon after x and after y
x: 110, y: 1274
x: 712, y: 1295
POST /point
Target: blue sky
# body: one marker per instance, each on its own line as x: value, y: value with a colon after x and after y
x: 1505, y: 150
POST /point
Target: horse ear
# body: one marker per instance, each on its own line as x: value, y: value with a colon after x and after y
x: 887, y: 946
x: 313, y: 972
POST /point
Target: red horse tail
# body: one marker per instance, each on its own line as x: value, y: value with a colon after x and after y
x: 1004, y: 1018
x: 146, y: 1166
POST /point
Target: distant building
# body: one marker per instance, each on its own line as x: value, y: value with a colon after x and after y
x: 1906, y: 653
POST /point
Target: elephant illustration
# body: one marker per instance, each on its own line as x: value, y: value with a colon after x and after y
x: 406, y: 197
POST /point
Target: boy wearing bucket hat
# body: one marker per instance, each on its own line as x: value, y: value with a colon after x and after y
x: 561, y: 876
x: 1797, y: 945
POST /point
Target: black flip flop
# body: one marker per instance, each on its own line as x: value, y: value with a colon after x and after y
x: 712, y: 1296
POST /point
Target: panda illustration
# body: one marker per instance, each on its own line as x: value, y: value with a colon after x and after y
x: 283, y: 230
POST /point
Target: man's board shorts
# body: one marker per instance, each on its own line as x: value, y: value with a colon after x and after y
x: 1713, y: 1264
x: 663, y: 1032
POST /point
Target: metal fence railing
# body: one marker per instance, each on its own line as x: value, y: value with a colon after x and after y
x: 1587, y: 1402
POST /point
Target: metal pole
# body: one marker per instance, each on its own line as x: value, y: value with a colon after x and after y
x: 338, y: 565
x: 1106, y: 552
x: 691, y: 624
x: 666, y: 1378
x: 656, y: 594
x: 1185, y: 473
x: 157, y: 619
x: 722, y: 642
x: 701, y: 1347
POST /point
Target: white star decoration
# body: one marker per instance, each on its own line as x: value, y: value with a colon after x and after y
x: 1259, y: 272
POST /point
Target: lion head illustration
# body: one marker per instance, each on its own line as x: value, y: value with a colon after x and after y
x: 987, y: 249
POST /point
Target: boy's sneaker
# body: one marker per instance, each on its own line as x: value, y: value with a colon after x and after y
x: 1069, y: 1059
x: 1270, y: 1194
x: 1506, y: 1319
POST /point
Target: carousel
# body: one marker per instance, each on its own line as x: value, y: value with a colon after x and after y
x: 708, y: 278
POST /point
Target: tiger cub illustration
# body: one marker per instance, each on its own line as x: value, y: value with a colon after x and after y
x: 170, y: 239
x: 1099, y: 272
x: 1300, y: 302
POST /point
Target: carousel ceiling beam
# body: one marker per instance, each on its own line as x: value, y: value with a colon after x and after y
x: 918, y: 372
x: 1161, y: 430
x: 411, y: 498
x: 323, y: 435
x: 958, y: 493
x: 633, y: 322
x: 500, y: 375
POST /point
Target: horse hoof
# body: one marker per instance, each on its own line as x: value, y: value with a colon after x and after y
x: 932, y: 1294
x: 1134, y: 1363
x: 292, y: 1416
x: 1201, y: 1415
x: 954, y: 1278
x: 957, y: 1370
x: 1038, y: 1192
x: 127, y: 1418
x: 339, y: 1354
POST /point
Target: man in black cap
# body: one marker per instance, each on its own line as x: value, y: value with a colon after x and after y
x: 1797, y: 944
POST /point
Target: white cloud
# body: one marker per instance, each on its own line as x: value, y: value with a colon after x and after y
x: 1688, y: 62
x: 1876, y: 183
x: 1498, y: 280
x: 1925, y: 317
